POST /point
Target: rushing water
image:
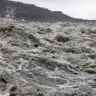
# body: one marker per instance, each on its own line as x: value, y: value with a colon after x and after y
x: 57, y: 57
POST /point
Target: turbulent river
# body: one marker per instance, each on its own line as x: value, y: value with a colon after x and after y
x: 57, y: 59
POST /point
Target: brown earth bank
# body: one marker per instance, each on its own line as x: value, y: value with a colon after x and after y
x: 47, y: 59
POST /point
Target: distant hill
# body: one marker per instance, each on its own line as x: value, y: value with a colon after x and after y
x: 30, y: 12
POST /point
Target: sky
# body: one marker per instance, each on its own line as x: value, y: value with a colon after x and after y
x: 84, y: 9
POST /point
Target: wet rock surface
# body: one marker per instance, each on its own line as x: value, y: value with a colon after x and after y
x: 48, y: 58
